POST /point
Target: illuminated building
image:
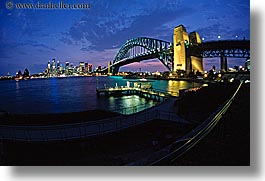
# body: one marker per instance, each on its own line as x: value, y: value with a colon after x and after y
x: 53, y: 67
x: 247, y: 65
x: 66, y: 68
x: 71, y: 69
x: 81, y: 67
x: 86, y: 67
x: 58, y: 67
x: 90, y: 68
x: 49, y: 67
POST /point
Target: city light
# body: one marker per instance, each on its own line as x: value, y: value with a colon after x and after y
x: 57, y: 70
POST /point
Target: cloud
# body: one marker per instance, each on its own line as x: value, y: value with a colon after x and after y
x: 212, y: 31
x: 106, y: 25
x: 27, y: 36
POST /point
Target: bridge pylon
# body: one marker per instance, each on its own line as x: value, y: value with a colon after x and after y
x: 223, y: 62
x: 183, y: 61
x: 180, y: 39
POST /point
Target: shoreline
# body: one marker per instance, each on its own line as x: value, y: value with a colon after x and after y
x: 134, y: 143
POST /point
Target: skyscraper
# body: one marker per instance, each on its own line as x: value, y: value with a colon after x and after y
x: 86, y: 67
x: 49, y: 68
x: 49, y: 65
x: 81, y: 67
x: 58, y: 67
x: 90, y: 68
x: 53, y: 69
x: 66, y: 68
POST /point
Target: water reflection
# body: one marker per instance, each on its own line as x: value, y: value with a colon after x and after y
x: 17, y: 86
x: 75, y: 94
x: 129, y: 104
x: 174, y: 86
x: 54, y: 91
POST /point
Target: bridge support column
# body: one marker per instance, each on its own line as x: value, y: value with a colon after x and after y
x: 188, y: 65
x: 109, y: 68
x: 115, y: 70
x: 196, y: 64
x: 223, y: 63
x: 180, y: 38
x: 182, y: 57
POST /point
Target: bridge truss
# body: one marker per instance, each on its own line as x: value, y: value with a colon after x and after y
x: 143, y: 48
x: 226, y: 48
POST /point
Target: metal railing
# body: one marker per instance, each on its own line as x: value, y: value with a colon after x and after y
x: 159, y: 92
x: 81, y: 129
x: 132, y: 109
x: 184, y: 144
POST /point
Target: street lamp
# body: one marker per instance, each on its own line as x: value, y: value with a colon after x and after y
x: 219, y: 37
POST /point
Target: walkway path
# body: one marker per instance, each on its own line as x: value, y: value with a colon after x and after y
x: 163, y: 111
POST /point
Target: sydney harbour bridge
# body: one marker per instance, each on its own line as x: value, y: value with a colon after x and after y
x: 186, y: 53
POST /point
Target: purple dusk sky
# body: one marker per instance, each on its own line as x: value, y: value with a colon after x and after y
x: 31, y: 37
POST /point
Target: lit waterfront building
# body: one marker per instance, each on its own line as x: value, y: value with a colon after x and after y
x: 61, y: 70
x: 53, y: 68
x: 58, y: 67
x: 86, y: 67
x: 90, y: 68
x: 71, y: 69
x: 67, y: 68
x: 247, y: 65
x: 48, y: 67
x: 81, y: 67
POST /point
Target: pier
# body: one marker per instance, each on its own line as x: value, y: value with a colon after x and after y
x: 142, y: 92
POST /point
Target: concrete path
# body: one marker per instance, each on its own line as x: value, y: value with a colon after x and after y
x: 163, y: 111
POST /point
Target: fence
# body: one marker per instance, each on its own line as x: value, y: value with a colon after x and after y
x: 81, y: 129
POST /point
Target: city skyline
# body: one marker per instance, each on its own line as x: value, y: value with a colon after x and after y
x: 30, y: 37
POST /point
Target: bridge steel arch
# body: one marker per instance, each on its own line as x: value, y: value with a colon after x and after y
x: 163, y: 50
x: 153, y: 48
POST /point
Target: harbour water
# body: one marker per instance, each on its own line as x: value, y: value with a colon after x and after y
x: 74, y: 94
